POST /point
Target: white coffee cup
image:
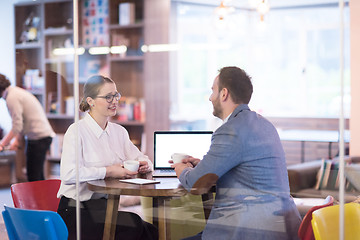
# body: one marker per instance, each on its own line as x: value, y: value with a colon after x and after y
x: 131, y: 165
x: 178, y: 157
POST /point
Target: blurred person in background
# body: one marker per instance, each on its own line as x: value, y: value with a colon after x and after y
x: 28, y: 120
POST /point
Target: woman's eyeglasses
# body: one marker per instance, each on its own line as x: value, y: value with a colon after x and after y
x: 110, y: 98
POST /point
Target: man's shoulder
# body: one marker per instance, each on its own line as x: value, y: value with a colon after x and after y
x: 246, y: 121
x: 250, y: 118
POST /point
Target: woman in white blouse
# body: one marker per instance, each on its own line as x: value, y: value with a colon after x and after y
x: 103, y: 146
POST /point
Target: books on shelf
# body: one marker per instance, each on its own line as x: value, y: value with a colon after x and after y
x: 69, y: 106
x: 131, y: 109
x: 96, y: 67
x: 126, y: 13
x: 95, y: 23
x: 320, y: 174
x: 32, y: 79
x: 53, y: 103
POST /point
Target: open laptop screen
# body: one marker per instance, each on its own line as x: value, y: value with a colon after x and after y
x: 193, y: 143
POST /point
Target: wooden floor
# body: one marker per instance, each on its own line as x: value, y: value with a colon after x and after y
x: 5, y: 198
x: 3, y: 234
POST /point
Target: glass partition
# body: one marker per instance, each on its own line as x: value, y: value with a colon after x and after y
x: 291, y: 53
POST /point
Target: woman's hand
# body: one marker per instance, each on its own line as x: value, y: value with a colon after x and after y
x: 118, y: 171
x: 144, y: 167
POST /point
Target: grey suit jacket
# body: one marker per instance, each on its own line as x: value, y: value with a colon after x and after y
x: 252, y: 198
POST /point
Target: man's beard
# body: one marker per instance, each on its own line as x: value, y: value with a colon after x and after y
x: 217, y: 112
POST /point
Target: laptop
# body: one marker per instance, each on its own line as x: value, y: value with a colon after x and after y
x: 193, y: 143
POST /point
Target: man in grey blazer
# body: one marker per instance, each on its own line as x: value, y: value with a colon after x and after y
x: 247, y: 164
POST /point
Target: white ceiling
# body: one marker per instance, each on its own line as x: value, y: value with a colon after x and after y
x: 273, y: 3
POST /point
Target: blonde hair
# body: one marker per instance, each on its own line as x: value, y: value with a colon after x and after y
x: 92, y: 89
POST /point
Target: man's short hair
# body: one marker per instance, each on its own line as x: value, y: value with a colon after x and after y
x: 237, y: 82
x: 4, y: 83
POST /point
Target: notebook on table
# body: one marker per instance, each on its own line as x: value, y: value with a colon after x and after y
x: 193, y: 143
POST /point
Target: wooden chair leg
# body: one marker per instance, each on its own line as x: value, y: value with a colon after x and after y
x: 207, y: 200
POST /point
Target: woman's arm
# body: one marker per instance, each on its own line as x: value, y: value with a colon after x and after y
x: 68, y: 160
x: 132, y: 152
x: 118, y: 171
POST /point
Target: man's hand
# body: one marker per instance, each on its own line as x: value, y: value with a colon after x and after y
x: 179, y: 167
x: 193, y: 161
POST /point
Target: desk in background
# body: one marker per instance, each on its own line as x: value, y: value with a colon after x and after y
x: 7, y: 159
x: 303, y: 136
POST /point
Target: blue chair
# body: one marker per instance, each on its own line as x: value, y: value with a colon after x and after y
x: 24, y: 224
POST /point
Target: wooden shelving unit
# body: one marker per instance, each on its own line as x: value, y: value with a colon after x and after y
x: 54, y: 31
x: 138, y: 76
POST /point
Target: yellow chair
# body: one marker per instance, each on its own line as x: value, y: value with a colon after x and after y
x: 325, y: 222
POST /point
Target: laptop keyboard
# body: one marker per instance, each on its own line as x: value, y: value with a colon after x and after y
x: 164, y: 172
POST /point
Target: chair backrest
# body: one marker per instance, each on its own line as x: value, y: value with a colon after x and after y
x: 305, y: 230
x: 37, y: 195
x: 325, y: 222
x: 34, y: 224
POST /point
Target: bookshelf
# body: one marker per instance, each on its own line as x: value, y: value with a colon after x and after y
x: 126, y: 28
x: 51, y: 25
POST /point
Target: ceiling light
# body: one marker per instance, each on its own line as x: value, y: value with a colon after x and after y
x: 263, y: 7
x: 222, y: 11
x: 67, y: 51
x: 99, y: 50
x: 118, y: 49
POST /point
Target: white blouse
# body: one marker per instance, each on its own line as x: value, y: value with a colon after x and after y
x: 97, y: 149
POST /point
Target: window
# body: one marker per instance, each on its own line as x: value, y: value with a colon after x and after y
x: 293, y: 57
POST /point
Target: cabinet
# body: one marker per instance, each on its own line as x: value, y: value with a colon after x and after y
x: 44, y: 34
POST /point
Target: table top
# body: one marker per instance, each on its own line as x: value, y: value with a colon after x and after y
x: 168, y: 187
x: 312, y: 135
x: 7, y: 156
x: 7, y: 153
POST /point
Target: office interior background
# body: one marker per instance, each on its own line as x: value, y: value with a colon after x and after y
x: 292, y: 53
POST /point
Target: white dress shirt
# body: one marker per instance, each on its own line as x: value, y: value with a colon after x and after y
x: 98, y: 149
x: 227, y: 118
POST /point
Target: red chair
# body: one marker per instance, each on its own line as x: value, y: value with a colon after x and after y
x: 305, y: 230
x: 37, y: 195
